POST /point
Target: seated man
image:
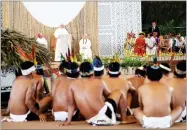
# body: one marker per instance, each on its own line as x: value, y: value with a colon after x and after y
x: 24, y: 103
x: 155, y: 101
x: 113, y: 82
x: 87, y: 93
x: 136, y: 81
x: 165, y: 68
x: 60, y: 90
x: 178, y: 82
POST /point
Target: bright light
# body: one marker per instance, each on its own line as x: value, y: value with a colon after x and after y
x: 53, y: 14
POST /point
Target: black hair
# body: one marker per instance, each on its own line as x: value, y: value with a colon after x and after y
x: 98, y: 73
x: 140, y: 72
x: 86, y: 67
x: 73, y: 67
x: 165, y: 72
x: 154, y: 74
x: 181, y: 66
x: 62, y: 66
x: 18, y: 72
x: 114, y: 67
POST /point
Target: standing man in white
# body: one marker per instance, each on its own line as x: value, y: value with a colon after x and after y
x: 150, y: 45
x: 85, y: 47
x: 62, y: 43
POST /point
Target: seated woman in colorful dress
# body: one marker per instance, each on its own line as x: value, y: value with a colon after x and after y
x: 129, y: 44
x: 163, y: 44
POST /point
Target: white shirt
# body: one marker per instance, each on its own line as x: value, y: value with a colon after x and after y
x: 42, y: 41
x: 179, y: 43
x: 150, y: 41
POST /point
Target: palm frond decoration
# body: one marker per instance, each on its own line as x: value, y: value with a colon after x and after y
x: 17, y: 48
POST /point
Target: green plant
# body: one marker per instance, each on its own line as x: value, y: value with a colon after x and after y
x: 15, y: 46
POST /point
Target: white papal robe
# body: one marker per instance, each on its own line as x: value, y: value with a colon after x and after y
x: 42, y: 41
x: 85, y: 48
x: 62, y: 43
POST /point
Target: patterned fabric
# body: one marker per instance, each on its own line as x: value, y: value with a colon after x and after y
x: 115, y: 19
x: 7, y: 78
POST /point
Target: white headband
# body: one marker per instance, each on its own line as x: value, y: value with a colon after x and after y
x: 28, y: 71
x: 70, y: 71
x: 86, y: 73
x: 164, y: 67
x: 99, y: 68
x: 114, y: 72
x: 179, y: 71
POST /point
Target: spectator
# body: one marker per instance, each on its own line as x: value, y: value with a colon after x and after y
x: 154, y: 28
x: 150, y: 45
x: 180, y: 44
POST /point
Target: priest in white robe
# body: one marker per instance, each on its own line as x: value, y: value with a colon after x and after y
x: 150, y: 45
x: 62, y: 43
x: 41, y: 40
x: 85, y: 47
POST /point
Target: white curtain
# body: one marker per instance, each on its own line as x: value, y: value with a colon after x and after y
x: 53, y: 14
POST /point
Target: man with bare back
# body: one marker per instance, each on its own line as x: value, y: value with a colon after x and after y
x: 113, y: 82
x: 156, y: 102
x: 165, y: 68
x: 137, y: 80
x: 60, y: 90
x: 87, y: 95
x: 178, y: 82
x: 23, y: 104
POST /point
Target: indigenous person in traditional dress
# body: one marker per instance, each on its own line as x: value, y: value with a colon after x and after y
x: 85, y: 47
x: 136, y: 81
x: 140, y: 45
x: 114, y: 82
x: 178, y: 83
x: 157, y: 108
x: 150, y: 45
x: 41, y: 40
x: 25, y: 102
x: 69, y: 72
x: 129, y: 44
x: 62, y: 43
x: 165, y: 68
x: 87, y: 94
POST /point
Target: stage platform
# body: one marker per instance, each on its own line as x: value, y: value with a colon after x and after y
x: 78, y: 125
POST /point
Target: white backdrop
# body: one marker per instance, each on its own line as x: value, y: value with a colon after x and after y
x: 115, y: 19
x: 53, y: 14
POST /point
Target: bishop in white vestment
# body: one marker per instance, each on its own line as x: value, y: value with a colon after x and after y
x: 85, y: 47
x: 41, y: 40
x: 62, y: 43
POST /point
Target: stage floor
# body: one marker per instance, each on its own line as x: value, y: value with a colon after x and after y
x: 77, y: 125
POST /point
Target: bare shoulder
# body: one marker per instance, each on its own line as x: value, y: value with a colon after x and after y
x: 142, y: 87
x: 74, y: 83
